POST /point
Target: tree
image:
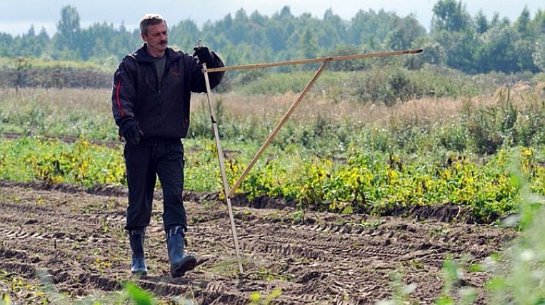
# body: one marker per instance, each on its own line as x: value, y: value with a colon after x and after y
x: 32, y: 45
x: 68, y: 31
x: 6, y: 43
x: 524, y: 50
x: 185, y: 34
x: 405, y: 32
x: 331, y: 32
x: 497, y: 21
x: 538, y: 23
x: 523, y: 22
x: 22, y: 66
x: 496, y: 50
x: 307, y: 44
x: 522, y: 25
x: 285, y: 13
x: 239, y: 28
x: 450, y: 15
x: 98, y: 41
x: 459, y: 49
x: 481, y: 23
x: 371, y: 28
x: 539, y: 54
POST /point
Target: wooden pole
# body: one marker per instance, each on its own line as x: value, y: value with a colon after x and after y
x: 222, y: 167
x: 315, y: 60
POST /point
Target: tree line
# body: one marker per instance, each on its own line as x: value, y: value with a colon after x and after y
x: 472, y: 44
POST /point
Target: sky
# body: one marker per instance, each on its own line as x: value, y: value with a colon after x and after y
x: 18, y: 17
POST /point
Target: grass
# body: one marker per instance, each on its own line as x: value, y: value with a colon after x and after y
x: 57, y: 113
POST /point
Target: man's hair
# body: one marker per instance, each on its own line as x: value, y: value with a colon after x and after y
x: 150, y: 19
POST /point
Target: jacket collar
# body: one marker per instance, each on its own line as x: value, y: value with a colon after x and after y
x: 142, y: 54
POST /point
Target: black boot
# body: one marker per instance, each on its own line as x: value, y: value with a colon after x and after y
x: 179, y: 263
x: 138, y: 264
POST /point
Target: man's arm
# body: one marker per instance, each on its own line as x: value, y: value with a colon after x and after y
x: 123, y: 92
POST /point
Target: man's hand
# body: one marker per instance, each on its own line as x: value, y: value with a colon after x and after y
x: 131, y: 132
x: 204, y: 54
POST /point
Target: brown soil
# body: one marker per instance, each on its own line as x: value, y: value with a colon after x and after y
x: 70, y: 243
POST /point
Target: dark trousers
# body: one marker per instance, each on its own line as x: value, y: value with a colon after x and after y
x: 144, y: 163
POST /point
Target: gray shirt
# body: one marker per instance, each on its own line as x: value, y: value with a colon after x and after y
x: 160, y: 68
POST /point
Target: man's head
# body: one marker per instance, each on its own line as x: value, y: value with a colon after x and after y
x: 148, y: 20
x: 153, y: 30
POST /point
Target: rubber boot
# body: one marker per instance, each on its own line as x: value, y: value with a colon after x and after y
x: 179, y: 263
x: 138, y: 264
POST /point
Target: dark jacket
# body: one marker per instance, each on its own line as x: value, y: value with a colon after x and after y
x: 160, y: 112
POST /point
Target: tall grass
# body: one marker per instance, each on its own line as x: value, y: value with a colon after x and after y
x: 57, y: 112
x: 481, y: 124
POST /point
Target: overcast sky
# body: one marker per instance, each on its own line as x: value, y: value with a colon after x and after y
x: 17, y: 17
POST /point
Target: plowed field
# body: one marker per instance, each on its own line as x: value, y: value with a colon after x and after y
x: 70, y: 242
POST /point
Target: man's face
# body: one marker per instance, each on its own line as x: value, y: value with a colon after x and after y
x: 156, y: 39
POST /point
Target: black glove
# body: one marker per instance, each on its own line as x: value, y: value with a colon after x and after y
x: 204, y: 55
x: 131, y: 131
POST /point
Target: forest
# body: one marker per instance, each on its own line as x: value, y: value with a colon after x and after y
x: 471, y: 44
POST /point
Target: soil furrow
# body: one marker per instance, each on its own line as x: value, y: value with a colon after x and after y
x: 76, y: 242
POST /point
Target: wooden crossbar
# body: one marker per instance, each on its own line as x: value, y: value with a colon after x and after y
x: 315, y: 60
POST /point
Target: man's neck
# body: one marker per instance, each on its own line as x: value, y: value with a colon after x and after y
x: 153, y: 53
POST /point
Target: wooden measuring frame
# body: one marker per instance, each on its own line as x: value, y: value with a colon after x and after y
x: 229, y: 192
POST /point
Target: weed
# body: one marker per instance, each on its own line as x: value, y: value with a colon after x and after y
x: 256, y: 298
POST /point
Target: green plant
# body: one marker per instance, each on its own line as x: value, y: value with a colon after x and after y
x: 5, y: 299
x: 138, y: 295
x: 519, y: 271
x: 400, y: 291
x: 452, y: 293
x: 256, y: 298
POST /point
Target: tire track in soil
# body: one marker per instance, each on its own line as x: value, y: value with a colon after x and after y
x: 75, y: 240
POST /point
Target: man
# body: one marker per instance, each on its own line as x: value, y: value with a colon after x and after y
x: 150, y: 103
